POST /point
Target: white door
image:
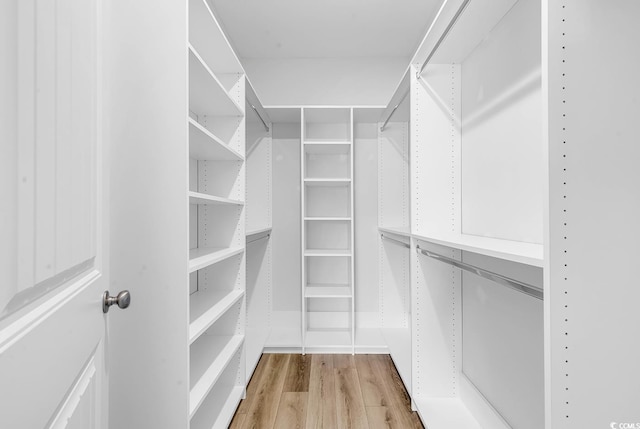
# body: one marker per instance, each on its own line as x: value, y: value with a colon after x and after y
x: 53, y: 252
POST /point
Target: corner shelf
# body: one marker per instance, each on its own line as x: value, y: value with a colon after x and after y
x: 259, y: 231
x: 200, y: 198
x: 205, y: 146
x: 202, y: 257
x: 227, y: 348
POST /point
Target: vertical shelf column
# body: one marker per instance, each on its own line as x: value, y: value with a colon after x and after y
x: 327, y: 239
x: 216, y: 190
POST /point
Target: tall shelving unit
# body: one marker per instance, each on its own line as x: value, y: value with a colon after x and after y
x: 476, y: 200
x: 216, y: 192
x: 328, y: 313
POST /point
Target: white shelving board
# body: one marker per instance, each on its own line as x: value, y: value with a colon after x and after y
x: 200, y: 198
x: 204, y: 145
x: 203, y: 257
x: 327, y: 182
x: 205, y: 311
x: 210, y: 370
x: 327, y: 252
x: 445, y: 413
x: 256, y: 232
x: 515, y: 251
x: 207, y: 95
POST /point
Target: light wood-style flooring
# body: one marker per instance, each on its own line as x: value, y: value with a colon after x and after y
x: 289, y: 391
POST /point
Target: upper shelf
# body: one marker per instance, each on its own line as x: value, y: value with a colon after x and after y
x: 206, y: 35
x: 205, y: 146
x: 516, y: 251
x: 206, y: 199
x: 207, y: 95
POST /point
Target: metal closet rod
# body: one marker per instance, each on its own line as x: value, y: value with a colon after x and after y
x: 266, y: 127
x: 395, y: 241
x: 258, y: 239
x: 394, y: 110
x: 443, y: 36
x: 519, y: 286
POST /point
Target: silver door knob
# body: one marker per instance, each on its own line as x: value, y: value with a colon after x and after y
x: 123, y: 299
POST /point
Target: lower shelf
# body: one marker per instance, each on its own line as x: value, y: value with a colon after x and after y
x: 222, y: 350
x: 445, y: 413
x: 223, y: 407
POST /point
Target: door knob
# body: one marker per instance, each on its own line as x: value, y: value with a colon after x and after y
x: 123, y: 299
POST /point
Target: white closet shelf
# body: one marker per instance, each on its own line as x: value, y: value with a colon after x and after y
x: 330, y: 338
x: 207, y: 95
x: 327, y: 252
x: 205, y: 146
x: 211, y: 371
x: 327, y: 218
x: 202, y: 257
x: 445, y: 413
x: 229, y: 403
x: 207, y: 36
x: 515, y: 251
x: 206, y: 310
x: 399, y: 230
x: 327, y: 147
x: 322, y: 290
x: 200, y: 198
x: 254, y: 232
x: 327, y: 182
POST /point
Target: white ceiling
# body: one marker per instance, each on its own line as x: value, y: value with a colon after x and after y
x: 325, y: 28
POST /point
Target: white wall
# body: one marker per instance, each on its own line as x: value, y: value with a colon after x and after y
x: 366, y: 217
x: 325, y: 81
x: 285, y: 239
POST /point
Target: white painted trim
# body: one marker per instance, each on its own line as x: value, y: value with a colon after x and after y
x: 22, y: 326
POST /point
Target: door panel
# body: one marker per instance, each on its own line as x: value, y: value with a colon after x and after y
x: 53, y: 252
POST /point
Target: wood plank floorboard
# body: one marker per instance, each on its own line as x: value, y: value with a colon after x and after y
x: 321, y: 410
x: 298, y: 374
x: 292, y: 411
x: 326, y: 392
x: 264, y: 406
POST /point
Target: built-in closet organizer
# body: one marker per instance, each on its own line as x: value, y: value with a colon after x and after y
x: 316, y: 306
x: 471, y: 248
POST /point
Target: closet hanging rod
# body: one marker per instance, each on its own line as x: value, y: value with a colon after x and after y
x: 258, y: 239
x: 395, y: 241
x: 442, y: 37
x: 266, y: 127
x: 394, y: 110
x: 519, y: 286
